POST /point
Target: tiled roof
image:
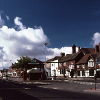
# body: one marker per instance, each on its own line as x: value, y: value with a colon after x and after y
x: 88, y: 50
x: 69, y: 57
x: 84, y: 59
x: 95, y: 55
x: 55, y: 58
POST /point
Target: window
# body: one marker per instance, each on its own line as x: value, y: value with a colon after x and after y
x: 78, y: 73
x: 83, y: 73
x: 91, y: 72
x: 78, y: 66
x: 60, y: 64
x: 64, y: 64
x: 91, y: 63
x: 62, y: 71
x: 83, y: 66
x: 71, y: 66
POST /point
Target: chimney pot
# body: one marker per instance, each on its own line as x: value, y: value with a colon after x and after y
x: 96, y: 48
x: 78, y: 48
x: 73, y: 49
x: 62, y: 54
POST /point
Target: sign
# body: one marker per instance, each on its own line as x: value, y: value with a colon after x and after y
x: 33, y: 61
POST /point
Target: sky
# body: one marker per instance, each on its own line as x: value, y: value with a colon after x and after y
x: 26, y: 24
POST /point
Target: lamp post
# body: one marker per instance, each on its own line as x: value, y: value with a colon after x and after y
x: 45, y: 54
x: 96, y: 73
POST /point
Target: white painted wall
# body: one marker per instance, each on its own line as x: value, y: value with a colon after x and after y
x: 54, y: 68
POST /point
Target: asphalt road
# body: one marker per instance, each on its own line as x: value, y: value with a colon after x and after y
x: 46, y: 90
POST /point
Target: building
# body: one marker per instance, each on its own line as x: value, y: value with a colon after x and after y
x: 52, y: 66
x: 67, y: 64
x: 35, y: 65
x: 82, y: 63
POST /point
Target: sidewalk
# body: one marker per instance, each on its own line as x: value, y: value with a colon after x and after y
x: 92, y: 91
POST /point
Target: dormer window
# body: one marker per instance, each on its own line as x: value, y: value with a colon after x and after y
x: 83, y: 66
x: 78, y: 66
x: 91, y: 63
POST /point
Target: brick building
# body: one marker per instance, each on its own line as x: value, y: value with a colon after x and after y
x: 82, y: 63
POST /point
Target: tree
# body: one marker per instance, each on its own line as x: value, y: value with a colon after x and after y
x: 23, y: 62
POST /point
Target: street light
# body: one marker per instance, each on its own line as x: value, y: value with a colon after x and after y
x: 45, y: 54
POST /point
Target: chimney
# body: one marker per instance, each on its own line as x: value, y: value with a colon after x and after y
x: 96, y: 48
x: 99, y: 47
x: 78, y: 48
x: 73, y: 49
x: 62, y: 54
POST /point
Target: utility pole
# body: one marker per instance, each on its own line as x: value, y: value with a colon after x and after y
x: 45, y: 57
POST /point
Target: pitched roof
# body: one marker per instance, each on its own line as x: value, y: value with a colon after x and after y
x: 69, y: 57
x: 88, y: 50
x: 95, y: 55
x: 84, y: 59
x: 55, y: 58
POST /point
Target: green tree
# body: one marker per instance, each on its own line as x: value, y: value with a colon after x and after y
x: 23, y: 62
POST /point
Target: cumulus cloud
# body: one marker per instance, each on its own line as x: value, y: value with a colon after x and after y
x: 21, y: 40
x: 1, y: 21
x: 57, y: 51
x: 96, y: 38
x: 18, y: 23
x: 24, y: 41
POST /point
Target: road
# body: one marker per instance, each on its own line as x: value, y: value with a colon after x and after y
x: 49, y: 90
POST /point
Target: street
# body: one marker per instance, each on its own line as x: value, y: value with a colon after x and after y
x: 47, y: 90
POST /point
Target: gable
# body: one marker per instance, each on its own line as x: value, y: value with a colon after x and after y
x: 84, y: 59
x: 87, y: 50
x: 75, y: 56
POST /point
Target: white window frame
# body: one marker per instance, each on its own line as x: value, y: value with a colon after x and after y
x: 78, y: 66
x: 64, y: 64
x: 71, y: 66
x: 83, y: 65
x: 90, y: 63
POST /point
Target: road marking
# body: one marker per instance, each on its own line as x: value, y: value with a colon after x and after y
x: 55, y: 88
x: 27, y: 88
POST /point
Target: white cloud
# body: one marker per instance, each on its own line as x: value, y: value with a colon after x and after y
x: 96, y: 38
x: 57, y: 51
x: 18, y: 23
x: 1, y: 21
x: 25, y: 41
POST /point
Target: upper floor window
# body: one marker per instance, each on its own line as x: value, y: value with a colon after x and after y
x: 78, y: 66
x: 60, y: 64
x: 71, y: 66
x: 90, y: 63
x: 83, y: 66
x: 64, y: 64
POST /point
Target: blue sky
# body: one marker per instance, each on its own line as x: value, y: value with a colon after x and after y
x: 65, y: 22
x: 61, y: 23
